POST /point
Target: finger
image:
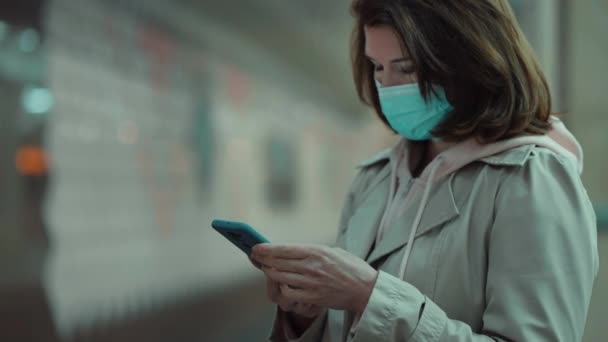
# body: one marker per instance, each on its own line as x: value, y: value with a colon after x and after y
x: 285, y: 265
x: 285, y: 251
x: 287, y: 305
x: 306, y: 310
x: 276, y: 297
x: 288, y: 278
x: 256, y: 249
x: 255, y: 263
x: 284, y: 303
x: 273, y: 290
x: 300, y: 295
x: 281, y: 286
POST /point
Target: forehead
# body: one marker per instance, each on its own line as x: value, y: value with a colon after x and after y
x: 382, y: 42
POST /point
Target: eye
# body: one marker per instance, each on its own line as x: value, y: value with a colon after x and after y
x: 378, y: 67
x: 407, y: 70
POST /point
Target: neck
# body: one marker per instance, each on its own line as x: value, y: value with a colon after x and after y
x: 431, y: 150
x: 435, y: 147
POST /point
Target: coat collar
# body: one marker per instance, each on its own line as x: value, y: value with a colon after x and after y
x: 364, y: 222
x: 440, y: 208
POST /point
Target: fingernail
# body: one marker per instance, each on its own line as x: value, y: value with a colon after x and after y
x: 259, y: 248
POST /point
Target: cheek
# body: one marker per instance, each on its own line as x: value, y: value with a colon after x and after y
x: 407, y: 78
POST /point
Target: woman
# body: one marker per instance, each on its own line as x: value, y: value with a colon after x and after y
x: 475, y: 226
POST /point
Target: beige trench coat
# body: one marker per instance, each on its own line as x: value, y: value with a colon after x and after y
x: 506, y: 251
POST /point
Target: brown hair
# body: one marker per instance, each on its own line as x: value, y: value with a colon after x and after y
x: 475, y: 50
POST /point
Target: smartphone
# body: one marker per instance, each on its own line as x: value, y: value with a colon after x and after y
x: 240, y: 234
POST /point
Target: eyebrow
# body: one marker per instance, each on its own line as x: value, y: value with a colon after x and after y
x: 398, y: 60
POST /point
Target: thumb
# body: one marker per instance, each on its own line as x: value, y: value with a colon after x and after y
x: 255, y: 263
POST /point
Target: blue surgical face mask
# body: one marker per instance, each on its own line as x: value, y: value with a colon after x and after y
x: 409, y: 114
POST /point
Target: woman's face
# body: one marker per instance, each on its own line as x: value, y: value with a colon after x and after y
x: 392, y: 65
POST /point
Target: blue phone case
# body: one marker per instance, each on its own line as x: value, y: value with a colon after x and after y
x: 240, y: 234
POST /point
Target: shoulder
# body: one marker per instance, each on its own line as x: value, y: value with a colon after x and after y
x: 545, y: 186
x: 528, y: 180
x: 535, y: 164
x: 542, y: 208
x: 524, y: 160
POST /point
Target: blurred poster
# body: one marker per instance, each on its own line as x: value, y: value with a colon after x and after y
x: 281, y: 176
x: 132, y: 150
x: 204, y: 141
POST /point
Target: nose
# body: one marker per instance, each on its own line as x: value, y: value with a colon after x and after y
x: 386, y: 80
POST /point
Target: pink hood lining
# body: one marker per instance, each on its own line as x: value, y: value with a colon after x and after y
x: 558, y: 140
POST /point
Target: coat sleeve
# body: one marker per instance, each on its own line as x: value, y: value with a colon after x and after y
x: 542, y: 262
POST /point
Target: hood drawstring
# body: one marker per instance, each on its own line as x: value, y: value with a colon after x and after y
x: 418, y: 218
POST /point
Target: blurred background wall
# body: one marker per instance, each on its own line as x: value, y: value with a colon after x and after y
x: 588, y: 60
x: 126, y: 126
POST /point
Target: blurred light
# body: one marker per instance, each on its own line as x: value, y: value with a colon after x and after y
x: 29, y: 40
x: 31, y: 161
x: 3, y: 30
x: 37, y: 100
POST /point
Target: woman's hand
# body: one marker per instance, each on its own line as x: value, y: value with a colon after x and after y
x: 274, y: 291
x: 318, y: 275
